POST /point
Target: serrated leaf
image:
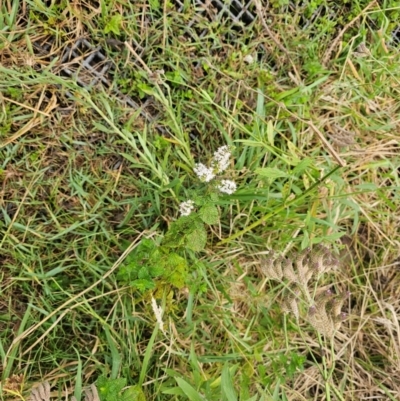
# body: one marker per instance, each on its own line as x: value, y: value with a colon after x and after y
x: 143, y: 284
x: 114, y: 24
x: 197, y: 239
x: 175, y: 237
x: 143, y: 273
x: 128, y: 271
x: 178, y: 268
x: 156, y: 270
x: 137, y: 262
x: 271, y: 172
x: 133, y: 393
x: 109, y: 389
x: 209, y: 214
x: 214, y: 197
x: 174, y: 261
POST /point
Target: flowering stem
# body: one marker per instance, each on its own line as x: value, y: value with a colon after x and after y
x: 279, y: 209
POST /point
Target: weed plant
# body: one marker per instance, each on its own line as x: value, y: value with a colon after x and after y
x: 133, y: 266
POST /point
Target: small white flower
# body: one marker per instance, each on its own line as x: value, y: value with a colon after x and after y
x: 220, y: 161
x: 203, y: 172
x: 227, y: 186
x: 186, y: 207
x: 158, y: 314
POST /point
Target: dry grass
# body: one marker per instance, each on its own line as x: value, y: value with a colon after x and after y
x: 82, y: 174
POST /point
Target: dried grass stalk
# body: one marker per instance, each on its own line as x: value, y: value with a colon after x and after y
x: 41, y: 392
x: 298, y: 271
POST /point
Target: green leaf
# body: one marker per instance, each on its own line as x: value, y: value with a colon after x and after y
x: 302, y: 166
x: 197, y: 239
x: 128, y: 271
x: 133, y: 393
x: 145, y: 89
x: 143, y: 273
x: 137, y: 263
x: 227, y: 388
x: 178, y: 268
x: 160, y: 143
x: 209, y: 214
x: 115, y: 355
x: 175, y: 237
x: 214, y: 197
x: 271, y: 172
x: 156, y: 270
x: 114, y: 24
x: 155, y: 4
x: 143, y: 284
x: 175, y: 76
x: 109, y: 389
x: 189, y: 391
x: 102, y: 127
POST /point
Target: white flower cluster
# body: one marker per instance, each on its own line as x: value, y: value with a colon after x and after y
x: 186, y: 207
x: 205, y: 173
x: 220, y: 161
x: 227, y: 186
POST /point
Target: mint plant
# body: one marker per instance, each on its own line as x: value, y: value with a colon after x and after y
x: 189, y: 231
x: 151, y: 264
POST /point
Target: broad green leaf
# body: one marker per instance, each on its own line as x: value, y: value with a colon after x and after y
x: 176, y: 270
x: 143, y: 284
x: 155, y: 4
x: 109, y: 389
x: 209, y: 214
x: 143, y: 273
x: 133, y: 393
x: 270, y: 132
x: 174, y: 391
x: 197, y: 239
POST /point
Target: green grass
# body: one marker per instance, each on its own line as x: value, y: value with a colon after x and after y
x: 84, y: 179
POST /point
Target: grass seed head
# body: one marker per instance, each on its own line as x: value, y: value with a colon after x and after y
x: 326, y: 315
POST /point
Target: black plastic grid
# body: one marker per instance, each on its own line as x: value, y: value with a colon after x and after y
x: 239, y: 12
x: 89, y: 67
x: 396, y: 36
x: 86, y: 64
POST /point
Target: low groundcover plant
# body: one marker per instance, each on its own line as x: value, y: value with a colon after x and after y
x: 164, y: 263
